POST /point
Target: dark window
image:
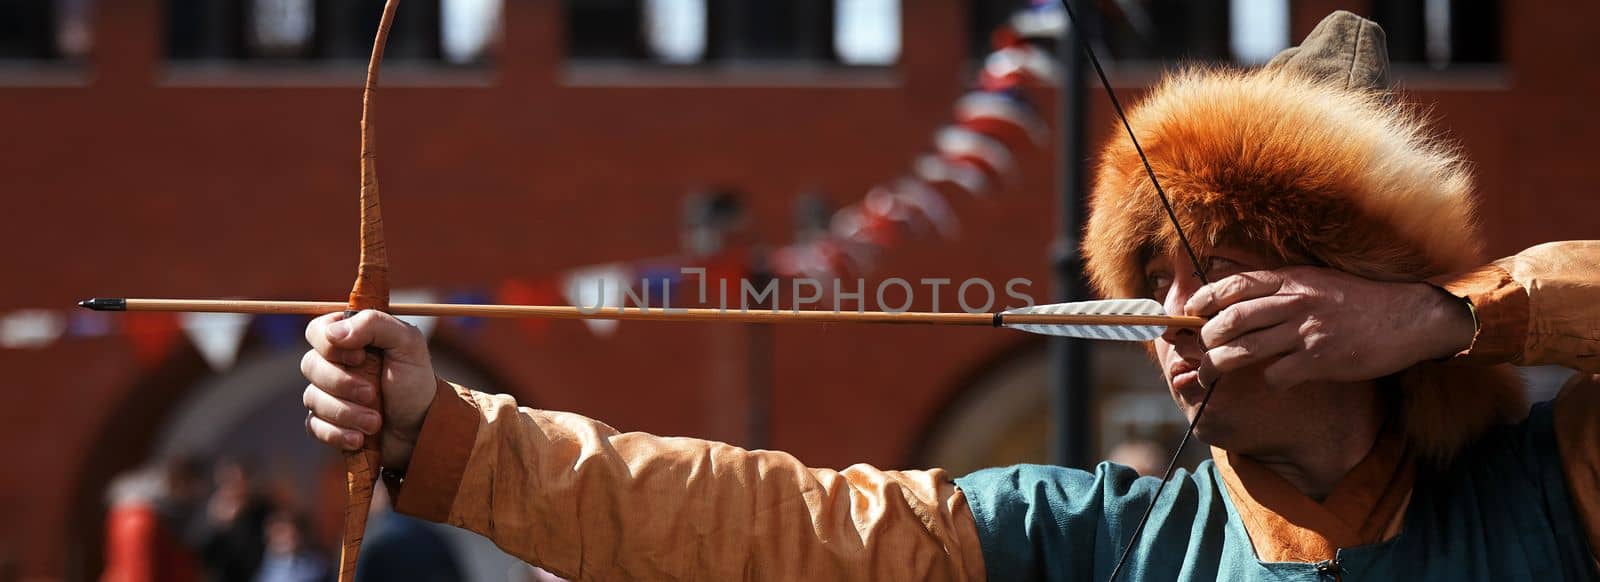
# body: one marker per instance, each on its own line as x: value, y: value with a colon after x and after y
x: 1133, y: 30
x: 25, y: 29
x: 1440, y: 33
x: 334, y: 30
x: 1162, y: 30
x: 768, y: 30
x: 44, y: 29
x: 605, y: 29
x: 204, y: 29
x: 345, y: 29
x: 713, y: 31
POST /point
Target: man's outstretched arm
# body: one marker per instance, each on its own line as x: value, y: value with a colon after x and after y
x: 1538, y: 307
x: 579, y: 498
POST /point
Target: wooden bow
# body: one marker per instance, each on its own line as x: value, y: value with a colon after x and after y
x: 371, y: 291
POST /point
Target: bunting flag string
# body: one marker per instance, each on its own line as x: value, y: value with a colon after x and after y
x: 1002, y: 114
x: 936, y: 170
x: 217, y: 336
x: 424, y: 324
x: 152, y: 335
x: 524, y: 292
x: 921, y: 198
x: 281, y: 332
x: 597, y: 288
x: 976, y: 154
x: 469, y: 326
x: 31, y: 328
x: 988, y: 154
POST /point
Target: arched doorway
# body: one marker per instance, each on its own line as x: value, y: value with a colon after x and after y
x: 252, y: 414
x: 1002, y: 417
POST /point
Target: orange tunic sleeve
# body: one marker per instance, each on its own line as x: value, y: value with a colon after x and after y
x: 583, y: 500
x: 1538, y: 307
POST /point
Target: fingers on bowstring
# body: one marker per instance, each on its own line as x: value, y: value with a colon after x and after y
x: 1213, y: 298
x: 1248, y: 316
x: 1250, y: 349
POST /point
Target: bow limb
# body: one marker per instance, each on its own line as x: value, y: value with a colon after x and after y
x: 371, y: 291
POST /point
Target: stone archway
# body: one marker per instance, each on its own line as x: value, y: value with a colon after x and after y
x: 1002, y: 416
x: 253, y: 411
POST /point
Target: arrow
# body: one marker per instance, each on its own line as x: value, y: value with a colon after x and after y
x: 1113, y: 319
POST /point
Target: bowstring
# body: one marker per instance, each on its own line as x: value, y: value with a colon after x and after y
x: 1199, y: 272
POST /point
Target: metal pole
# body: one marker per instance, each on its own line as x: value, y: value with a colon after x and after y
x: 760, y: 353
x: 1072, y: 389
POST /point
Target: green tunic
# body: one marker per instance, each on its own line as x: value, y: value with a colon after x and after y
x: 1500, y: 512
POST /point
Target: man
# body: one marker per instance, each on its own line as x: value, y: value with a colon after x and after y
x: 1361, y: 428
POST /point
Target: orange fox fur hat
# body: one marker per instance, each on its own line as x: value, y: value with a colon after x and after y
x: 1310, y: 157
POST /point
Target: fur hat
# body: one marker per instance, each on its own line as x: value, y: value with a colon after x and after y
x: 1308, y: 156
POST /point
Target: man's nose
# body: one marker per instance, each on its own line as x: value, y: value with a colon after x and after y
x: 1183, y: 287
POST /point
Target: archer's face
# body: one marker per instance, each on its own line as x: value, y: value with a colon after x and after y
x: 1243, y: 415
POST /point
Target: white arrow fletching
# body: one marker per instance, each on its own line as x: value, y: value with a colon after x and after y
x: 1129, y: 333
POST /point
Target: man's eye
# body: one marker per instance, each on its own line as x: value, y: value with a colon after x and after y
x: 1218, y: 267
x: 1158, y: 283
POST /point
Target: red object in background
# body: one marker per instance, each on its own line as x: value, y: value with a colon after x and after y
x: 1005, y: 132
x: 1019, y: 66
x: 152, y: 335
x: 1005, y: 37
x: 139, y: 548
x: 530, y: 292
x: 723, y: 271
x: 964, y: 145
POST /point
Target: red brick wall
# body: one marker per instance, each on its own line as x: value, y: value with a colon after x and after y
x: 129, y: 184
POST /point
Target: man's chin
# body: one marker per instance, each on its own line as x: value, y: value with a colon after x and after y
x: 1208, y: 433
x: 1214, y: 427
x: 1234, y: 434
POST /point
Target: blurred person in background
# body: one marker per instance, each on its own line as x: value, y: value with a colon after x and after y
x: 400, y: 547
x: 187, y: 484
x: 1143, y: 456
x: 232, y: 536
x: 148, y: 507
x: 288, y: 556
x: 1356, y: 340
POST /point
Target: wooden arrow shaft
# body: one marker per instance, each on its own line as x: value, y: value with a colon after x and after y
x: 657, y: 313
